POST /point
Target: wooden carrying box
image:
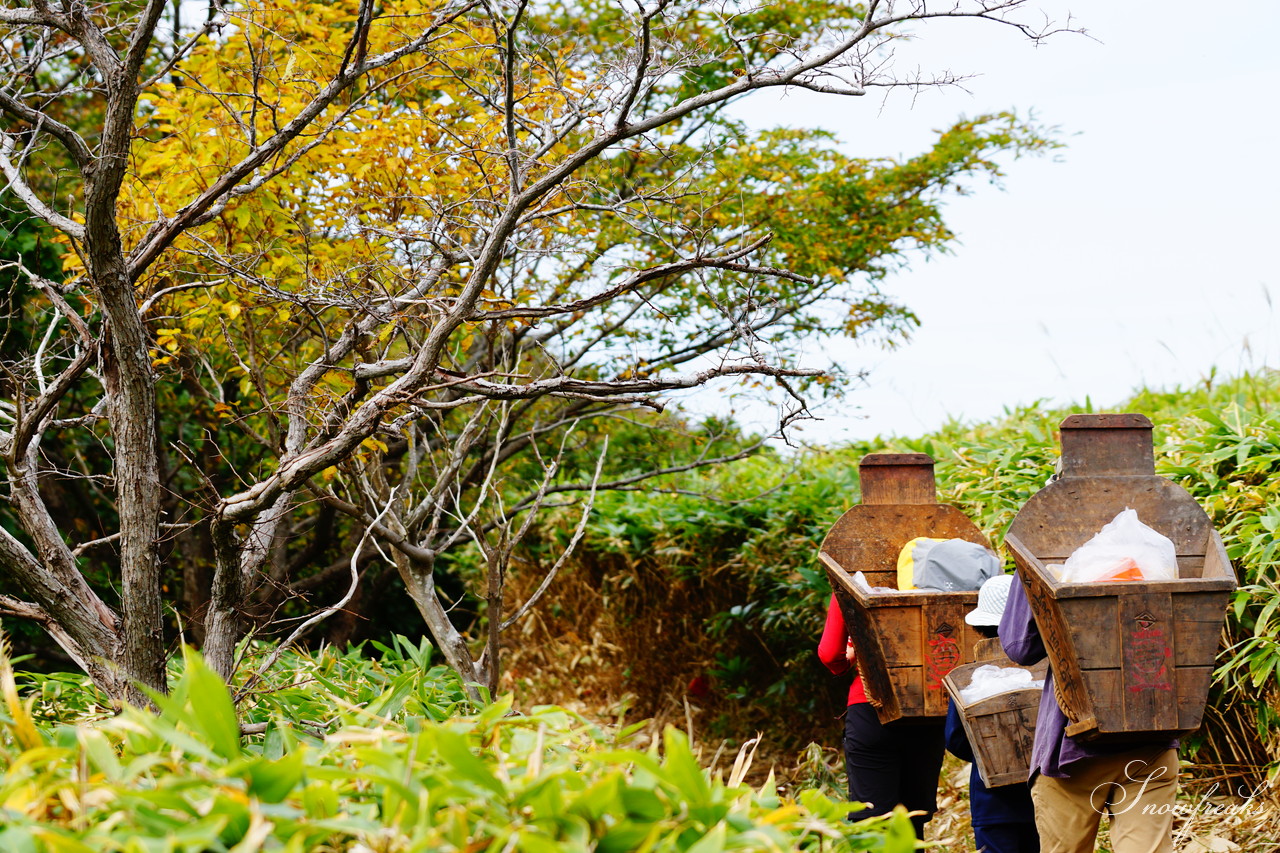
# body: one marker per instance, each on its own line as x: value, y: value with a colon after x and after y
x: 1128, y: 657
x: 1000, y: 728
x: 906, y: 642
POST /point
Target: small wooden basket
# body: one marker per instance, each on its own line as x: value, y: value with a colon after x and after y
x: 1128, y: 657
x: 1000, y: 728
x: 906, y: 642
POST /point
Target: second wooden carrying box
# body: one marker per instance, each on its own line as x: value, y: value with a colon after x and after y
x: 906, y: 641
x: 1129, y: 658
x: 1001, y: 727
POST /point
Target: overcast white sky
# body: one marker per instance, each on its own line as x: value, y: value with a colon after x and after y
x: 1145, y: 255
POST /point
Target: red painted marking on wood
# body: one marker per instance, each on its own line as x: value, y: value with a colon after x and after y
x: 1147, y: 656
x: 944, y: 656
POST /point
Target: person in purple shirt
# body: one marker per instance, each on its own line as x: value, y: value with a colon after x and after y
x: 1073, y: 783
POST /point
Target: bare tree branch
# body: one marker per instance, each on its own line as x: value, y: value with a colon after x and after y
x: 578, y: 533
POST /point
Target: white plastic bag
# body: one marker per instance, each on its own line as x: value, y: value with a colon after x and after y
x: 989, y: 679
x: 1124, y: 549
x: 861, y: 581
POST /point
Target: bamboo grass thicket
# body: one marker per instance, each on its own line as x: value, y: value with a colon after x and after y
x: 380, y: 755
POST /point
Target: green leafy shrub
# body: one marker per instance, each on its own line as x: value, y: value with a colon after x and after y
x: 1228, y: 457
x: 376, y: 756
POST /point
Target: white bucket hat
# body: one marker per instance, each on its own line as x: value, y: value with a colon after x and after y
x: 991, y: 599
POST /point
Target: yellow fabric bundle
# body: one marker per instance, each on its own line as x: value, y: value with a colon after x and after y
x: 907, y: 560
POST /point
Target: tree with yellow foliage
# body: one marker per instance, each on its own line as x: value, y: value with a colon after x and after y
x: 346, y: 284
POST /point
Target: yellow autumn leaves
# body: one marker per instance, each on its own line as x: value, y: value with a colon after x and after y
x: 410, y: 160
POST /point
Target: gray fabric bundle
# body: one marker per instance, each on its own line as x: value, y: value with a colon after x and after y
x: 954, y: 565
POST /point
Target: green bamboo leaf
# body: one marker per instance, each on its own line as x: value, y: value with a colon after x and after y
x: 392, y: 701
x: 901, y: 835
x: 163, y: 729
x: 682, y: 770
x: 1263, y: 665
x: 200, y: 833
x: 237, y: 819
x: 321, y: 800
x: 600, y: 799
x: 18, y: 839
x: 712, y: 842
x: 495, y: 710
x: 531, y: 840
x: 643, y: 804
x: 1211, y: 417
x: 102, y: 756
x: 58, y: 842
x: 1262, y: 627
x: 456, y: 750
x: 823, y: 806
x: 213, y: 714
x: 1268, y: 556
x: 272, y: 781
x: 1241, y: 601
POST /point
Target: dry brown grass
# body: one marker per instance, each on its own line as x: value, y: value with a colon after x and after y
x: 600, y: 645
x: 627, y: 639
x: 1213, y: 817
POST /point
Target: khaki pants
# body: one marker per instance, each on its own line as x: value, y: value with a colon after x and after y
x: 1130, y: 787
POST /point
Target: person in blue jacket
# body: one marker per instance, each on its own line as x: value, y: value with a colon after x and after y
x: 1003, y: 818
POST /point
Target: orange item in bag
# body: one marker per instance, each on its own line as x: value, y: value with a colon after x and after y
x: 1129, y: 571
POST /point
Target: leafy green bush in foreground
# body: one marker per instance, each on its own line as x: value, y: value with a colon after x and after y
x: 378, y: 757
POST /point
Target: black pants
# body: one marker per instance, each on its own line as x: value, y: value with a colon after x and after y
x: 1007, y: 838
x: 888, y: 765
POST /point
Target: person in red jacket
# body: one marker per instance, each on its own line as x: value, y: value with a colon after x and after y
x: 887, y: 765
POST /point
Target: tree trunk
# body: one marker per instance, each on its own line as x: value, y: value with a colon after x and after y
x: 131, y: 402
x: 422, y: 589
x: 224, y: 625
